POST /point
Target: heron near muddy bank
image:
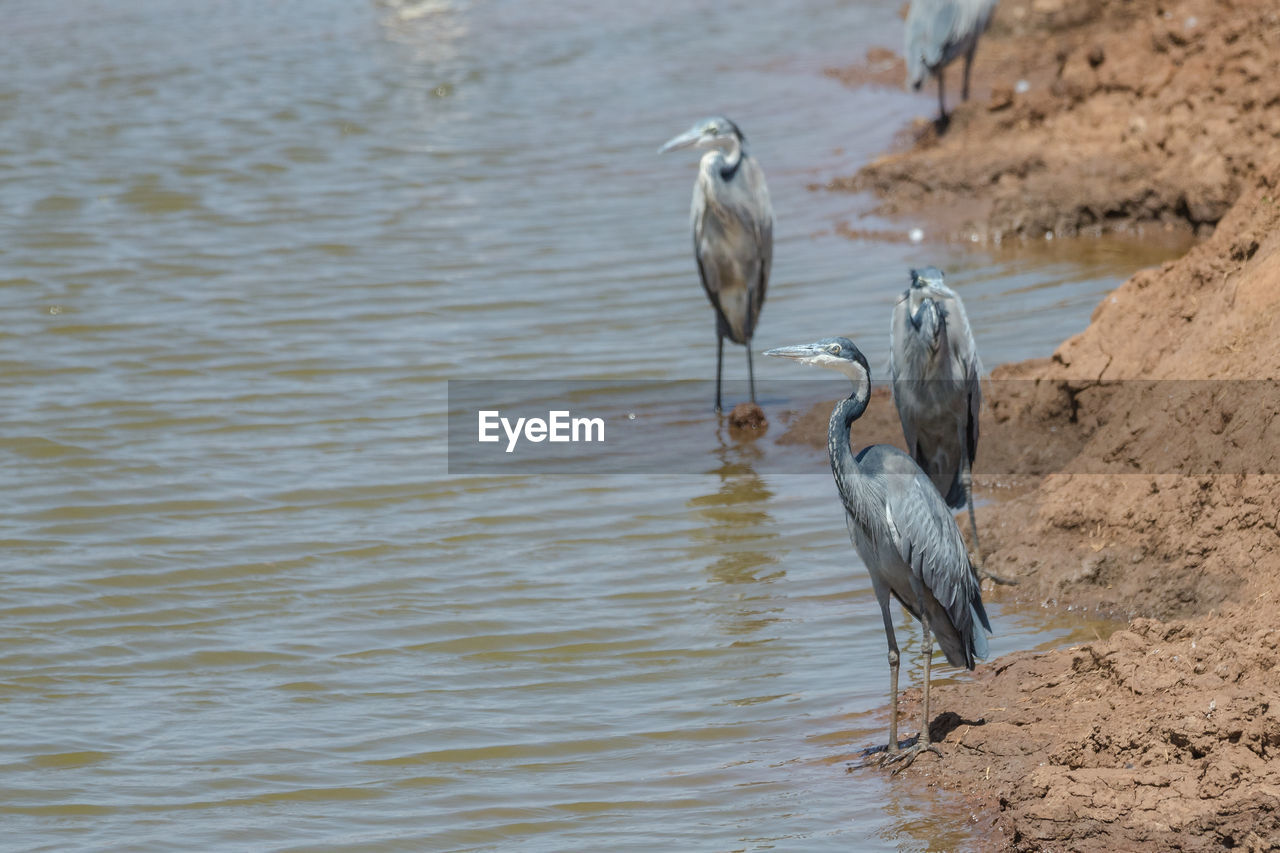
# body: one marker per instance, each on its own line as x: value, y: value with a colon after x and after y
x: 905, y: 535
x: 732, y: 221
x: 938, y: 31
x: 937, y: 389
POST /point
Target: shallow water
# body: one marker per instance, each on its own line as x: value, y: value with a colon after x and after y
x: 244, y: 605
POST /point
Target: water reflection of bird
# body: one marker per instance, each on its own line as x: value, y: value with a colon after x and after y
x: 732, y: 233
x: 906, y: 536
x: 937, y: 32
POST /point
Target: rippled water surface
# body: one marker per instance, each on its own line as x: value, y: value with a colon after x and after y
x: 243, y: 604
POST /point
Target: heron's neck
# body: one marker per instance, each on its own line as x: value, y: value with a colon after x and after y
x: 843, y: 464
x: 930, y: 323
x: 732, y: 160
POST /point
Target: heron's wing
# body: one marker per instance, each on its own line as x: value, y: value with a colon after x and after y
x: 964, y: 352
x: 937, y: 31
x: 916, y: 40
x: 708, y: 273
x: 733, y: 242
x: 926, y: 536
x: 762, y: 218
x: 973, y: 383
x: 931, y: 26
x: 765, y: 241
x: 899, y: 330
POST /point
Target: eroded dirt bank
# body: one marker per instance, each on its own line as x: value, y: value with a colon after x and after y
x: 1165, y: 736
x: 1137, y: 471
x: 1135, y: 114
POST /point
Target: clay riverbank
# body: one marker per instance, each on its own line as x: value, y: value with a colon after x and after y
x: 1134, y: 472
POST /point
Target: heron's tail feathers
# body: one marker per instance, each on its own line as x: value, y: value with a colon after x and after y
x: 955, y: 496
x: 980, y: 622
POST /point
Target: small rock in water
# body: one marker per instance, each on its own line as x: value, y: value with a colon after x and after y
x: 916, y: 235
x: 748, y: 417
x: 1022, y: 87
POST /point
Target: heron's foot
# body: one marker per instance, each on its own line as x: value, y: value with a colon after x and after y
x: 904, y: 758
x: 884, y: 748
x: 877, y: 755
x: 941, y: 123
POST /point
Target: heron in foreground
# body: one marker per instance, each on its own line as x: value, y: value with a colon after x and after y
x: 937, y: 32
x: 906, y: 536
x: 937, y: 389
x: 732, y: 233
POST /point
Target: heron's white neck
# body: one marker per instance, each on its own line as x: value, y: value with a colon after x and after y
x: 724, y: 158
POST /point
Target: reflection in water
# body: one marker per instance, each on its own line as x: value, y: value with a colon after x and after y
x: 736, y: 526
x: 733, y: 528
x: 252, y: 243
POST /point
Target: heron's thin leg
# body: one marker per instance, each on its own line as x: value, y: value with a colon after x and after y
x: 942, y: 104
x: 751, y: 376
x: 883, y: 596
x: 719, y: 367
x: 966, y: 477
x: 922, y: 744
x: 893, y: 700
x: 968, y: 63
x: 927, y: 643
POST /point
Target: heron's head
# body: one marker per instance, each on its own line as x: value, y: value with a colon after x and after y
x: 715, y: 132
x: 929, y: 278
x: 923, y: 309
x: 837, y: 353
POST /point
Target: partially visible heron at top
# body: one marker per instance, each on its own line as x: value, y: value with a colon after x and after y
x: 906, y: 537
x: 732, y: 233
x: 936, y: 377
x: 937, y: 32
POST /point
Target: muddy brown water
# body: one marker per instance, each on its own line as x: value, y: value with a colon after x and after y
x: 243, y: 604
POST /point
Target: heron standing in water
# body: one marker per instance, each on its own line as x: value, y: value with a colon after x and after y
x: 732, y: 233
x: 937, y: 32
x: 905, y: 535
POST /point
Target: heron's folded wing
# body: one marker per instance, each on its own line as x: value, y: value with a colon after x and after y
x: 928, y: 539
x: 965, y: 352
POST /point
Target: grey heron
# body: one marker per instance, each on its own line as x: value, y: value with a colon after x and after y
x: 937, y: 32
x: 905, y: 535
x: 937, y: 386
x: 732, y: 233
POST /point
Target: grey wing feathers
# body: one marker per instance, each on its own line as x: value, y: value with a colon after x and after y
x: 927, y: 538
x: 898, y: 334
x: 965, y: 352
x: 766, y: 266
x: 733, y: 244
x: 938, y: 30
x: 974, y: 383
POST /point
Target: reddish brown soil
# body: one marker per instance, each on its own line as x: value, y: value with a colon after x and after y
x: 1139, y: 113
x: 1135, y: 472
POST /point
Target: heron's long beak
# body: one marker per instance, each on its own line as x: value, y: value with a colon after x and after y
x: 684, y: 140
x: 803, y: 353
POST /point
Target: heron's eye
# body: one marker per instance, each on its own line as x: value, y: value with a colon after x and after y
x: 834, y: 349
